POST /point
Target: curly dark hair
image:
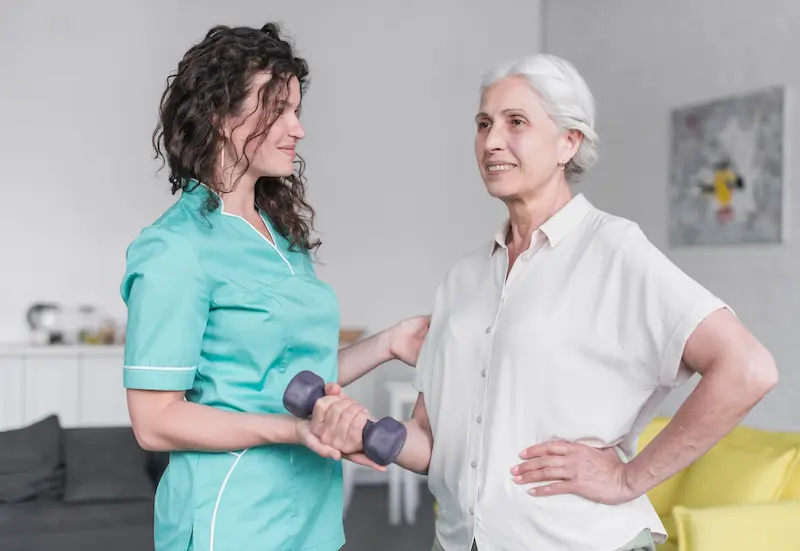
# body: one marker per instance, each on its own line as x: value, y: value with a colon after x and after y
x: 212, y: 82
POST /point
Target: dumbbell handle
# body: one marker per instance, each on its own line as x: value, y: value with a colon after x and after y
x: 382, y: 440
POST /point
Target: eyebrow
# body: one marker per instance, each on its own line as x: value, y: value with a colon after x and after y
x: 503, y: 112
x: 283, y: 104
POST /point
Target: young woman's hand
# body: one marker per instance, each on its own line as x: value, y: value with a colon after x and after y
x: 407, y: 338
x: 309, y: 440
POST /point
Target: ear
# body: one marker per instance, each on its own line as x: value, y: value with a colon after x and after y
x: 223, y: 126
x: 570, y: 142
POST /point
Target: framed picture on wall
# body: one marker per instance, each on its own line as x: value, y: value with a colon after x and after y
x: 727, y: 174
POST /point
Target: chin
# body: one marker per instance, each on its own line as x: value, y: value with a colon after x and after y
x: 275, y: 171
x: 502, y: 190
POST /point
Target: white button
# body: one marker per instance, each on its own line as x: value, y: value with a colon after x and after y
x: 488, y: 330
x: 483, y: 373
x: 478, y: 419
x: 474, y: 464
x: 471, y: 511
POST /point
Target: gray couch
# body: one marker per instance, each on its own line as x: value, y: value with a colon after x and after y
x: 76, y: 489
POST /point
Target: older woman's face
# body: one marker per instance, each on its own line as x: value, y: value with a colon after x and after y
x: 517, y: 146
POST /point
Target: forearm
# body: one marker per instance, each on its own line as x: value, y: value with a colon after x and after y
x: 416, y: 453
x: 720, y: 401
x: 185, y: 425
x: 360, y: 358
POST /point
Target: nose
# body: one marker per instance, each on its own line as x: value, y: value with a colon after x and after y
x: 297, y: 130
x: 495, y: 140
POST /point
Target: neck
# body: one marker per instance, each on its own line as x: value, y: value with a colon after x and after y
x: 527, y: 214
x: 242, y: 198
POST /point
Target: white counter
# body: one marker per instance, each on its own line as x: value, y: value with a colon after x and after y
x: 81, y: 384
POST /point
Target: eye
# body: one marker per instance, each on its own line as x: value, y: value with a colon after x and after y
x: 483, y: 125
x: 517, y: 121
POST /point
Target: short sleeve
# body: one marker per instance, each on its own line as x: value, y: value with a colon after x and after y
x: 166, y: 294
x: 667, y: 305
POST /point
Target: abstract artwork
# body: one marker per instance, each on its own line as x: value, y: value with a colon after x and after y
x: 727, y: 171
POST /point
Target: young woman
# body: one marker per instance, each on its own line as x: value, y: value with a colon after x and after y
x: 224, y: 308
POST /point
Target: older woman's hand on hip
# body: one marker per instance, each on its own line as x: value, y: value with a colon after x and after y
x: 571, y: 468
x: 338, y: 421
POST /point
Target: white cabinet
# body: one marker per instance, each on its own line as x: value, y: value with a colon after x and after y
x: 80, y: 384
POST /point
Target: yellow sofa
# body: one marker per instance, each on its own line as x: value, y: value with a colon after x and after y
x: 743, y: 495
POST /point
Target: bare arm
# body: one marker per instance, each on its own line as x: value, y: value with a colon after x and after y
x: 164, y: 421
x: 737, y: 372
x: 360, y: 358
x: 416, y: 453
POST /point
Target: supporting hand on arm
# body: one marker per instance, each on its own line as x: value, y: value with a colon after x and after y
x: 400, y: 342
x: 338, y: 421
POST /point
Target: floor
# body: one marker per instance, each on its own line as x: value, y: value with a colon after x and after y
x: 367, y: 523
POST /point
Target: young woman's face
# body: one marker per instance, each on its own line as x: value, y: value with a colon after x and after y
x: 272, y: 154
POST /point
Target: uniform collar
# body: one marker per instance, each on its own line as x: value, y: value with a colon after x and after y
x: 196, y: 191
x: 555, y: 228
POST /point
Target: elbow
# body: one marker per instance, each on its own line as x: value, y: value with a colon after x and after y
x: 760, y: 374
x: 148, y: 440
x: 145, y: 440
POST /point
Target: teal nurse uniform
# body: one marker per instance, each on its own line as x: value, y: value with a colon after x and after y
x: 214, y: 309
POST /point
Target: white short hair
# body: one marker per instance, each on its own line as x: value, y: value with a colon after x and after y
x: 565, y: 96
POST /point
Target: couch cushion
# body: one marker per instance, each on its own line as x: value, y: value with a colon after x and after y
x: 31, y: 462
x: 105, y: 464
x: 49, y: 517
x: 731, y: 474
x: 767, y: 526
x: 669, y: 525
x: 792, y: 490
x: 672, y: 535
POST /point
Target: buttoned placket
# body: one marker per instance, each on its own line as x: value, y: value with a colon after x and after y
x: 522, y: 260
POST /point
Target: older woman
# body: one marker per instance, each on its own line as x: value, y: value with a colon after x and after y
x: 554, y: 344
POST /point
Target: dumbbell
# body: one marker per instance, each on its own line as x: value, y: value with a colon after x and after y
x: 382, y: 440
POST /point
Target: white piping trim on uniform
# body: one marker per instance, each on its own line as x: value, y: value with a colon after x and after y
x: 151, y: 368
x: 272, y: 243
x: 219, y: 497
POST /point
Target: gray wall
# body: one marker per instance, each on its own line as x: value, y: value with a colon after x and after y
x: 642, y: 59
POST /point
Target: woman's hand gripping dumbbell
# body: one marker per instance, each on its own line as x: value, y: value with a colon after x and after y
x: 382, y: 440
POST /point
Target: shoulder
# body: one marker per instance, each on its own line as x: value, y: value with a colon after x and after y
x: 162, y: 258
x: 641, y: 266
x: 612, y: 231
x: 469, y: 264
x: 165, y: 247
x: 180, y: 231
x: 157, y: 241
x: 618, y: 239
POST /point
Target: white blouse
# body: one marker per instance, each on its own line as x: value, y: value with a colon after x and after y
x: 581, y: 343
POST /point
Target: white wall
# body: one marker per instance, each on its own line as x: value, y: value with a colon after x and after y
x: 389, y: 146
x: 642, y: 59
